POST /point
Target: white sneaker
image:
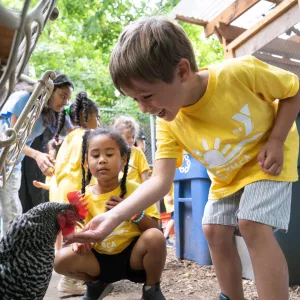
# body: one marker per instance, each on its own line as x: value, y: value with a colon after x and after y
x: 71, y: 286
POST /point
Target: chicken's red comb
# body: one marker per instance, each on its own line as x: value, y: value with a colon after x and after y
x: 77, y: 199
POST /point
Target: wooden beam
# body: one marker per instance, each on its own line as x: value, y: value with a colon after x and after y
x: 227, y: 33
x: 271, y: 17
x: 276, y: 1
x: 190, y: 20
x: 269, y: 33
x: 231, y: 13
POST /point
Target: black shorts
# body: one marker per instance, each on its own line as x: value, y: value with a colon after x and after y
x: 117, y: 266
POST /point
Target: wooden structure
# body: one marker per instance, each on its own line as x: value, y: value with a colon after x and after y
x: 269, y: 32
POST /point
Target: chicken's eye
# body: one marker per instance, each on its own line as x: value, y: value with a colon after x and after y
x: 70, y: 214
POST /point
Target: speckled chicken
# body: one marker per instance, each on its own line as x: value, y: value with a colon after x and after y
x: 27, y: 249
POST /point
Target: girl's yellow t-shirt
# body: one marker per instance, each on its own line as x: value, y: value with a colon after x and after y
x: 68, y: 173
x: 127, y: 231
x: 226, y: 129
x: 137, y: 165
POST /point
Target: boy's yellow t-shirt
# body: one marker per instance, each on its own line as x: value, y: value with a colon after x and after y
x: 138, y: 165
x: 226, y: 129
x: 68, y: 173
x: 170, y: 206
x: 127, y: 231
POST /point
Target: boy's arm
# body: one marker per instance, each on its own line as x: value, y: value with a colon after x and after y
x: 148, y: 193
x: 270, y: 157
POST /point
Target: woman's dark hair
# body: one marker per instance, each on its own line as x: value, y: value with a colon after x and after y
x: 81, y: 104
x: 54, y: 145
x: 124, y: 151
x: 48, y: 114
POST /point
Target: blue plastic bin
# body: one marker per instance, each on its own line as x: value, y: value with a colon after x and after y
x: 191, y: 187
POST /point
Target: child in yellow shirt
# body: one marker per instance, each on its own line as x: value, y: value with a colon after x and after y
x: 84, y: 114
x: 136, y: 249
x: 138, y: 165
x: 227, y: 118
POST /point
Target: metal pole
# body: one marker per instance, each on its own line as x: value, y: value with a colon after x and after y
x: 153, y: 139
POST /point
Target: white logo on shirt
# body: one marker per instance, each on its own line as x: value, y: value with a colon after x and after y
x: 222, y: 156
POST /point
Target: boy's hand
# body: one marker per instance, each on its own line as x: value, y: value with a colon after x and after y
x: 112, y: 202
x: 82, y: 249
x: 270, y: 157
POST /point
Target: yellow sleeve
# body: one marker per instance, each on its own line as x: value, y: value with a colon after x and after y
x: 152, y: 212
x: 271, y: 83
x: 142, y: 162
x: 167, y: 147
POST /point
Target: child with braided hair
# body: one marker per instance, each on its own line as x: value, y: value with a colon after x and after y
x: 136, y: 249
x: 84, y: 114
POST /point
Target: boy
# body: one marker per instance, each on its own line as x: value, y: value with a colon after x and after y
x: 227, y: 118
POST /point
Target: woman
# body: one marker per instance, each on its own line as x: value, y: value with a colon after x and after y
x: 9, y: 198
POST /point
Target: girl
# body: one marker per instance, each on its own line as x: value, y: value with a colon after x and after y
x: 138, y: 165
x: 63, y: 87
x: 136, y: 250
x: 84, y: 114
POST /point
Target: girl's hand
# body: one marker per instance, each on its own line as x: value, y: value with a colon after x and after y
x: 270, y: 157
x: 96, y: 230
x: 37, y: 184
x: 112, y: 202
x: 82, y: 249
x: 45, y: 163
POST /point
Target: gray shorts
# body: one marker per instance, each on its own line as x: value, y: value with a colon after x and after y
x: 266, y: 202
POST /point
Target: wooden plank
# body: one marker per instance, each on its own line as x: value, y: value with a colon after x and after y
x: 6, y: 38
x: 227, y: 32
x: 230, y: 14
x: 276, y: 1
x: 271, y: 17
x: 190, y: 20
x: 269, y: 33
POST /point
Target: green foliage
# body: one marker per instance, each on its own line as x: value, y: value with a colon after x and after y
x: 80, y: 41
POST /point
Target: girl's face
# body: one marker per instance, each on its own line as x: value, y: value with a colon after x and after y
x: 60, y: 98
x: 92, y: 122
x: 128, y: 135
x: 104, y: 158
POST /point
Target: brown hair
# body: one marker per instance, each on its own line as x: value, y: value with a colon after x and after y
x: 150, y: 49
x: 122, y: 122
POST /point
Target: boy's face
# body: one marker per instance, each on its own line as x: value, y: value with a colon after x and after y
x: 158, y: 98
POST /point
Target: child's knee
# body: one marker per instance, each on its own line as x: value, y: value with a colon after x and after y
x: 253, y: 232
x: 218, y: 235
x: 154, y: 238
x: 61, y: 263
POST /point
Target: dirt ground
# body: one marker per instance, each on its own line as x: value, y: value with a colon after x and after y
x: 181, y: 280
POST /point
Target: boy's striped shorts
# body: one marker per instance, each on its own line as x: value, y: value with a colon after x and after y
x: 267, y: 202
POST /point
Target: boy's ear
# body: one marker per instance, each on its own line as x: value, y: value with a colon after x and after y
x: 184, y: 69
